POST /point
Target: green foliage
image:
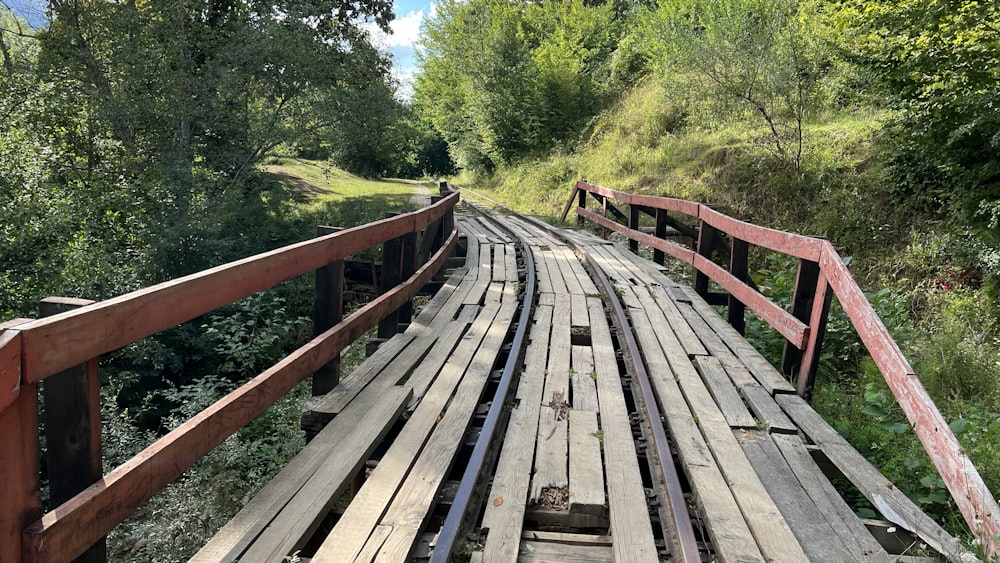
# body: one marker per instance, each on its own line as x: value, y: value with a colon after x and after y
x: 936, y: 62
x: 504, y: 81
x: 749, y: 55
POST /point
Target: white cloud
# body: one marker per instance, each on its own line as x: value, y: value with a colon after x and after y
x: 406, y: 30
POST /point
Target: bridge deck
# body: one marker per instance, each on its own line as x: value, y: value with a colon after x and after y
x: 572, y: 478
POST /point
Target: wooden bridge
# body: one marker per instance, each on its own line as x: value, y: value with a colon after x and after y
x: 559, y: 398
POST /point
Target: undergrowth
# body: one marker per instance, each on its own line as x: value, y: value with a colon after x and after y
x: 935, y: 287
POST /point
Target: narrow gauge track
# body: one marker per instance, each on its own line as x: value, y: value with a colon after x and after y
x: 465, y: 509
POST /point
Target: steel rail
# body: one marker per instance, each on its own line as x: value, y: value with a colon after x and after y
x: 448, y: 535
x: 686, y: 542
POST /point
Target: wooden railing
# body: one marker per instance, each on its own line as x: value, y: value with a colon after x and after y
x: 821, y: 271
x: 53, y: 349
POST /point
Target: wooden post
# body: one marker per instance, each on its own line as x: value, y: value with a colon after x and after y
x: 660, y: 232
x: 811, y: 305
x: 328, y: 310
x: 582, y: 204
x: 19, y: 481
x: 409, y: 266
x: 738, y: 264
x: 392, y: 262
x: 633, y: 224
x: 72, y: 401
x: 706, y: 242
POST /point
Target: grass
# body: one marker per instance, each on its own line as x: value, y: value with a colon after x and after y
x: 321, y: 182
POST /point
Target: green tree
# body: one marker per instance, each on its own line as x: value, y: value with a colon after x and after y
x: 751, y: 53
x: 937, y: 63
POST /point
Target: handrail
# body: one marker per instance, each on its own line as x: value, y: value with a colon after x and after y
x: 966, y: 485
x: 34, y: 350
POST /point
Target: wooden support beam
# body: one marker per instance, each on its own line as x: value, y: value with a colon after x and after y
x: 72, y: 401
x: 19, y: 481
x: 810, y: 298
x: 659, y: 231
x: 707, y: 236
x: 633, y: 225
x: 409, y: 265
x: 392, y: 274
x: 738, y: 259
x: 328, y: 309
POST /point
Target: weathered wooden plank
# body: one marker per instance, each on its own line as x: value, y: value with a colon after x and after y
x: 566, y: 258
x: 284, y: 514
x: 337, y: 399
x: 586, y: 474
x: 584, y: 396
x: 555, y: 273
x: 766, y: 410
x: 580, y: 316
x: 10, y: 362
x: 533, y: 551
x: 887, y: 499
x: 763, y: 371
x: 65, y: 532
x: 630, y: 528
x: 721, y: 388
x: 91, y: 331
x: 808, y: 523
x: 730, y: 534
x: 970, y: 493
x: 850, y: 532
x: 483, y: 277
x: 366, y: 509
x: 552, y: 445
x: 507, y: 500
x: 685, y: 334
x: 408, y: 511
x: 500, y: 262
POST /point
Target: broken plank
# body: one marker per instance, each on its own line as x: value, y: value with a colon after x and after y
x: 586, y: 473
x: 584, y: 396
x: 631, y: 529
x: 507, y: 500
x: 808, y: 523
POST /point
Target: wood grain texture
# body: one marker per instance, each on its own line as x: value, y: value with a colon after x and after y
x: 849, y: 531
x: 807, y: 521
x: 56, y: 343
x: 507, y: 500
x: 586, y: 472
x: 288, y: 508
x: 366, y: 509
x: 75, y: 525
x: 887, y: 499
x: 631, y: 529
x: 409, y: 509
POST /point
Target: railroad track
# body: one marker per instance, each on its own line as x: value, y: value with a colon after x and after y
x: 676, y: 536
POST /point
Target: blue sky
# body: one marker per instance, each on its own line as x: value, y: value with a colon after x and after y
x: 406, y: 31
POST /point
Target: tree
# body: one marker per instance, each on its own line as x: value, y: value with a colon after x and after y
x: 752, y: 52
x: 937, y: 63
x: 506, y: 81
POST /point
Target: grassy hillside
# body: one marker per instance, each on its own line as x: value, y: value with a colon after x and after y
x: 925, y: 277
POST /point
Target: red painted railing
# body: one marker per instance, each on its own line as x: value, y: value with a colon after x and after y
x: 821, y: 269
x: 35, y: 350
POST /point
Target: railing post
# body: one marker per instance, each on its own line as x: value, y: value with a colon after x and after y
x: 328, y: 310
x: 633, y: 224
x: 392, y: 274
x: 738, y: 266
x: 19, y: 474
x: 706, y: 243
x: 72, y: 401
x: 582, y: 204
x: 660, y: 232
x: 811, y: 305
x: 408, y: 267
